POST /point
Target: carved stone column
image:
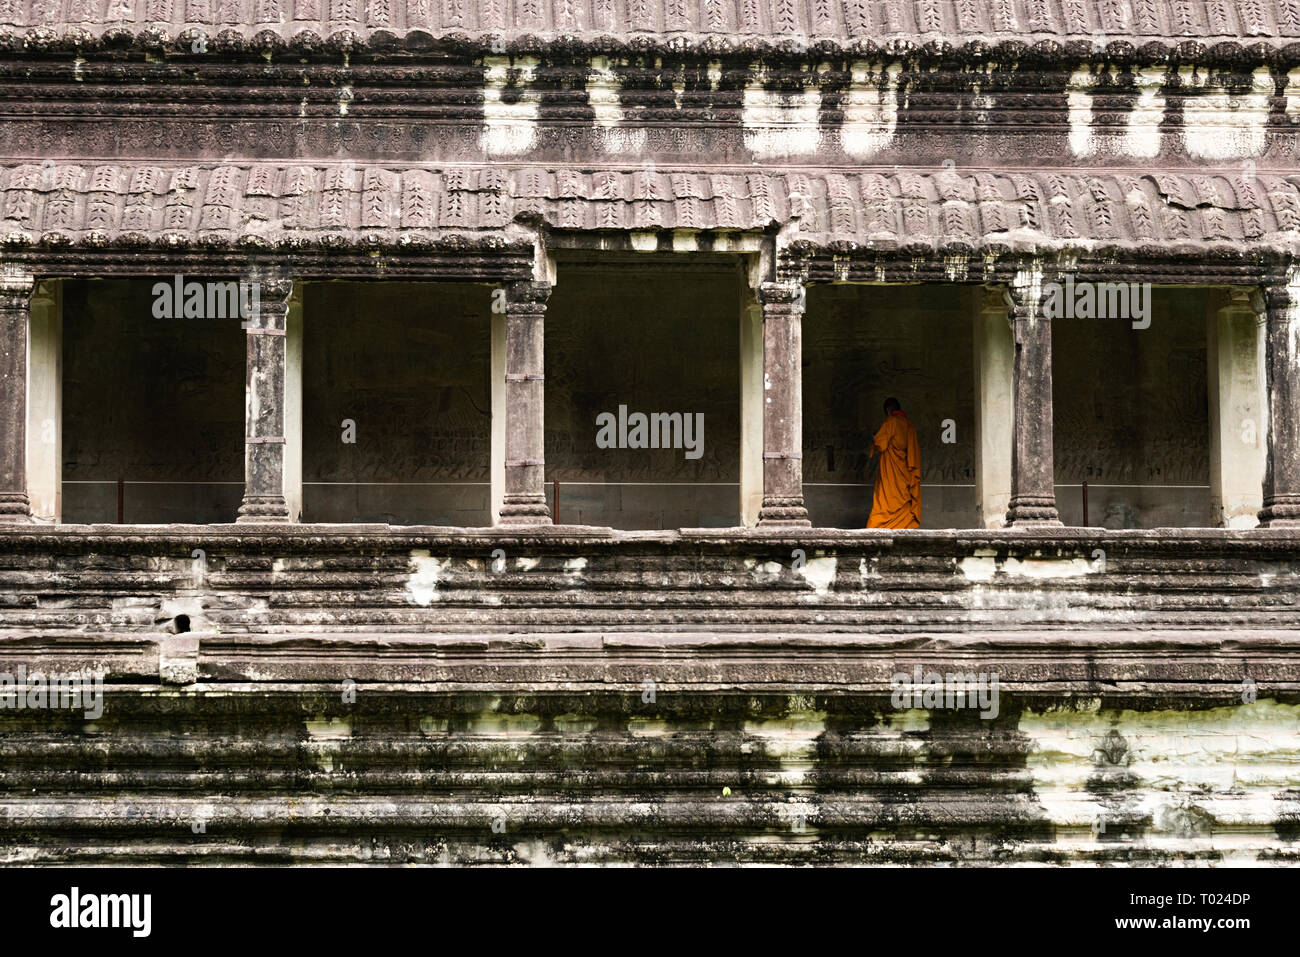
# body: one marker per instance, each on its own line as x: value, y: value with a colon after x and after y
x: 1238, y: 408
x: 994, y: 364
x: 1033, y: 496
x: 783, y: 307
x: 16, y: 289
x: 264, y: 404
x: 524, y: 502
x: 1281, y: 308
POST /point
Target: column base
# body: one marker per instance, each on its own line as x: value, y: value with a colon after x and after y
x: 1282, y: 511
x: 1033, y: 511
x: 783, y: 512
x: 263, y: 508
x: 15, y: 509
x: 525, y: 510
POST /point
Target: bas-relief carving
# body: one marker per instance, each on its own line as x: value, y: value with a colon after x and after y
x: 1131, y: 406
x: 381, y: 139
x: 408, y: 364
x: 123, y: 370
x: 655, y: 340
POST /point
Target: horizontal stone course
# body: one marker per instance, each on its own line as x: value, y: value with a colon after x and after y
x: 792, y: 20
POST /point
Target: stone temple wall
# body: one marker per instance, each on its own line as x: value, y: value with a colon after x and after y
x: 354, y: 695
x: 773, y: 213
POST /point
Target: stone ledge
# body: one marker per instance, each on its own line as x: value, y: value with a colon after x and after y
x: 1137, y: 663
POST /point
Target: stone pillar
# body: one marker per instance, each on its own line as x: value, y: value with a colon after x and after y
x: 16, y: 289
x: 1033, y: 495
x: 1282, y: 364
x: 994, y: 370
x: 497, y: 373
x: 264, y: 405
x: 783, y: 306
x: 1238, y: 411
x: 524, y: 502
x: 293, y: 405
x: 751, y: 407
x: 45, y: 403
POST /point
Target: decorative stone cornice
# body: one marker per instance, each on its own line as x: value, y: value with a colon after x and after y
x: 279, y: 208
x: 656, y: 27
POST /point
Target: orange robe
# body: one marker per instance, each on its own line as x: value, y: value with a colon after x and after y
x: 897, y: 500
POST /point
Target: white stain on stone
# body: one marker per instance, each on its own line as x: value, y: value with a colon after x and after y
x: 498, y: 724
x: 1030, y: 283
x: 603, y: 97
x: 329, y: 729
x: 869, y: 568
x: 1293, y: 93
x: 956, y: 266
x: 819, y: 573
x: 602, y: 93
x: 574, y: 565
x: 1047, y: 567
x: 980, y: 567
x: 534, y: 853
x: 714, y: 73
x: 323, y: 733
x: 765, y: 570
x: 509, y: 128
x: 1079, y: 101
x: 422, y: 585
x: 1142, y: 138
x: 984, y: 565
x: 685, y: 241
x: 650, y: 728
x: 1229, y: 125
x: 1204, y: 779
x: 909, y: 720
x: 1293, y: 318
x: 527, y: 564
x: 777, y: 124
x: 792, y: 742
x: 870, y: 110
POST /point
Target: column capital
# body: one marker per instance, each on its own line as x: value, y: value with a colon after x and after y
x: 790, y: 294
x: 1280, y: 298
x: 526, y: 292
x: 273, y: 285
x: 1026, y: 294
x: 994, y: 299
x: 270, y: 305
x: 1241, y: 299
x: 17, y: 286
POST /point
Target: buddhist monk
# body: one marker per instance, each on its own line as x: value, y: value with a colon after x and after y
x: 897, y: 501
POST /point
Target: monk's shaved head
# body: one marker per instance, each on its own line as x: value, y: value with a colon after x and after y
x: 891, y: 405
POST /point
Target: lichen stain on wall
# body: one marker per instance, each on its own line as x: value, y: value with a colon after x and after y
x: 1197, y: 778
